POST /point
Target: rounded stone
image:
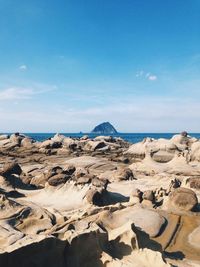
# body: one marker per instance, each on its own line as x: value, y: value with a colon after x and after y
x: 183, y: 199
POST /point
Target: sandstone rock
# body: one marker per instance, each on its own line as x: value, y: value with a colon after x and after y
x: 194, y: 238
x: 135, y: 196
x: 100, y: 182
x: 138, y: 150
x: 94, y: 197
x: 147, y: 220
x: 5, y: 142
x: 53, y: 171
x: 162, y: 156
x: 49, y: 144
x: 195, y: 151
x: 84, y: 137
x: 148, y: 195
x: 11, y: 168
x: 69, y: 169
x: 58, y: 179
x: 58, y: 138
x: 80, y: 172
x: 27, y: 142
x: 125, y: 174
x: 183, y: 199
x: 84, y: 180
x: 94, y: 145
x: 109, y: 139
x: 16, y: 138
x: 4, y: 136
x: 175, y: 183
x: 194, y: 183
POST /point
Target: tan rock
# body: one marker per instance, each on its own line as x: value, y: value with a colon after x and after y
x: 183, y: 199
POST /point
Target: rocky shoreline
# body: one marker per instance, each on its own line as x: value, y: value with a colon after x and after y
x: 99, y: 202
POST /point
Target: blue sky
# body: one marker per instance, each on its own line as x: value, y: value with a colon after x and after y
x: 68, y: 65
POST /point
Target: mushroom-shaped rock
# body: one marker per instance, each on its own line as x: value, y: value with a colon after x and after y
x: 183, y: 199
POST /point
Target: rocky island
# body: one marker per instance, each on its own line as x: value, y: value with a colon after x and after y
x: 104, y: 128
x: 82, y: 202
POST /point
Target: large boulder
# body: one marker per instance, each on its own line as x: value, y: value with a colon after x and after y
x: 162, y: 156
x: 183, y: 199
x: 138, y: 150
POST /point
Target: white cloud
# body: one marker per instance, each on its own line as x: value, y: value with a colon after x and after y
x: 146, y: 75
x: 23, y: 67
x: 17, y: 93
x: 152, y: 77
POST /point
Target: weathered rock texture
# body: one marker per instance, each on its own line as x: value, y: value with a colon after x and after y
x: 81, y: 202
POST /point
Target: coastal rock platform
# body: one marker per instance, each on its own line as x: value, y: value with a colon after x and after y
x: 70, y: 202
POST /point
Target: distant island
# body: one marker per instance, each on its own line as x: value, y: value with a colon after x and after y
x: 104, y: 128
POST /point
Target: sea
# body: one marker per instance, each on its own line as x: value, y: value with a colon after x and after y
x: 130, y: 137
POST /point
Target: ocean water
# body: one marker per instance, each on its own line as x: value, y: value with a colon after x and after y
x: 130, y: 137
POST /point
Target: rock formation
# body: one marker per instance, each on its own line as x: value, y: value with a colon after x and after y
x: 72, y: 202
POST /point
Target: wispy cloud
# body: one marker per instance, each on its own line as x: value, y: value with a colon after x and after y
x: 23, y: 67
x: 139, y: 73
x: 17, y: 93
x: 146, y: 75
